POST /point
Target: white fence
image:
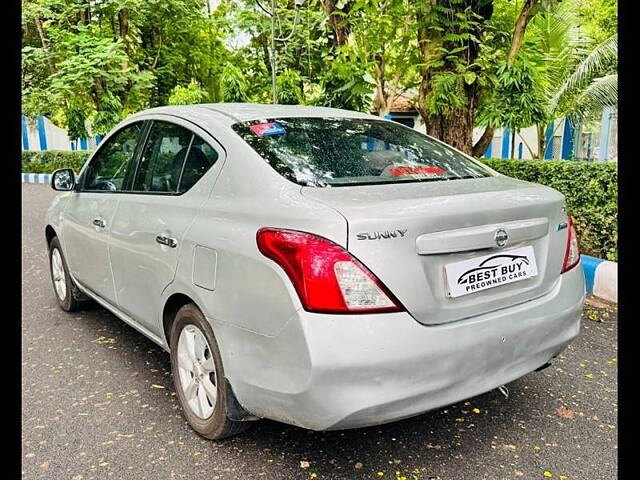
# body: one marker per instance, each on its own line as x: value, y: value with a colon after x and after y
x: 40, y: 134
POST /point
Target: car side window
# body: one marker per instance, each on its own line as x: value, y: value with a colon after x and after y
x: 109, y: 166
x: 200, y: 159
x: 162, y: 159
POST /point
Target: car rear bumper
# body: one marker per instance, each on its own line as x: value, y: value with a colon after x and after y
x: 335, y: 372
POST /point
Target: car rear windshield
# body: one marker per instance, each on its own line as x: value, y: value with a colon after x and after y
x: 333, y: 152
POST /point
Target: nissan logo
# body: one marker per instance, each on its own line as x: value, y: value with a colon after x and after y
x: 501, y: 236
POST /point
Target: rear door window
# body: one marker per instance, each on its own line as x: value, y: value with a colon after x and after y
x: 200, y: 159
x: 333, y: 152
x: 173, y: 160
x: 162, y: 159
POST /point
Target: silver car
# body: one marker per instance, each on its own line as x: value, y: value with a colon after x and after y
x: 319, y: 267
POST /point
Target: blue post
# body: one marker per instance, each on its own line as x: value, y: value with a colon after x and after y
x: 83, y: 144
x: 548, y: 149
x: 520, y: 151
x: 589, y: 266
x: 42, y: 134
x: 98, y: 140
x: 25, y: 134
x: 73, y: 146
x: 567, y: 140
x: 505, y: 143
x: 487, y: 154
x: 605, y: 130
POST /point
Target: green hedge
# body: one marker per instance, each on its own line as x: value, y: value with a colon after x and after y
x: 591, y: 191
x: 51, y: 160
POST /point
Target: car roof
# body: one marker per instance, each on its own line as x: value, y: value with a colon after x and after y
x: 241, y: 112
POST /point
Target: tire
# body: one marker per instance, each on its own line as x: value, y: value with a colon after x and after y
x: 66, y: 291
x: 195, y: 380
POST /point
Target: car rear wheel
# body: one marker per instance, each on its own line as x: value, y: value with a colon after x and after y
x: 66, y: 291
x: 198, y: 376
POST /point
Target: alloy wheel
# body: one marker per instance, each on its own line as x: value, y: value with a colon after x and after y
x: 59, y: 277
x: 197, y: 371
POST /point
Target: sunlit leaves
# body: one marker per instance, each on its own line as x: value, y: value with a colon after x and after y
x: 191, y: 94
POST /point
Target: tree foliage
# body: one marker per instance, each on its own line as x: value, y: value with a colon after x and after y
x: 465, y: 63
x: 99, y: 61
x: 191, y: 94
x: 591, y: 192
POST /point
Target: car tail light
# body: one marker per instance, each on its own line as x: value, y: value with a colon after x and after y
x: 572, y: 255
x: 327, y: 278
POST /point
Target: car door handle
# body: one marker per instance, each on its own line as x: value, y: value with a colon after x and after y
x: 99, y: 222
x: 168, y: 241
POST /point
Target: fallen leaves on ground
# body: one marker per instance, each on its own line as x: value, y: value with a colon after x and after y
x: 564, y: 412
x: 101, y: 340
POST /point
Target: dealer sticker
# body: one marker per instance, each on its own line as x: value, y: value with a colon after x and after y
x: 489, y: 271
x: 267, y: 129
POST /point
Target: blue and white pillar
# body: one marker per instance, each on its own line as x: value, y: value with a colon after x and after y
x: 25, y: 134
x: 567, y: 140
x: 605, y: 132
x: 505, y: 143
x: 548, y: 142
x: 42, y: 133
x: 601, y: 277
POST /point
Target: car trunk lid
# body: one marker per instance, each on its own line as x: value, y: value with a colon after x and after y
x: 407, y: 234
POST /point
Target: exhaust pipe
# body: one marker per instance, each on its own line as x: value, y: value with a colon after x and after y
x: 504, y: 391
x: 542, y: 367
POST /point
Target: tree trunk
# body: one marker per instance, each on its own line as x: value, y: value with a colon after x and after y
x: 541, y: 141
x: 455, y: 127
x: 526, y: 14
x: 336, y: 21
x: 380, y: 101
x: 266, y: 56
x: 45, y: 45
x: 520, y: 29
x: 123, y: 28
x: 483, y: 142
x: 123, y: 23
x: 513, y: 144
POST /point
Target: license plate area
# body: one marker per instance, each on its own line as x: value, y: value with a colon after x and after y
x: 490, y: 271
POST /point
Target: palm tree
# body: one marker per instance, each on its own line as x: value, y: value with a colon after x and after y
x: 592, y: 85
x: 579, y: 79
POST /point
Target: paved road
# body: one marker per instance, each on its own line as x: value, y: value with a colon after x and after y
x: 98, y: 402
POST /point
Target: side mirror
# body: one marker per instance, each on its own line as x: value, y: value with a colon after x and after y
x: 63, y: 180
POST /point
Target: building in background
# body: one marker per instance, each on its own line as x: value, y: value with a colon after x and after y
x: 403, y: 111
x: 599, y: 139
x: 559, y: 142
x: 591, y: 142
x: 40, y: 134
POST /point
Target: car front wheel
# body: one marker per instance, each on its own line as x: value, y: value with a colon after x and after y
x: 66, y: 291
x: 198, y: 376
